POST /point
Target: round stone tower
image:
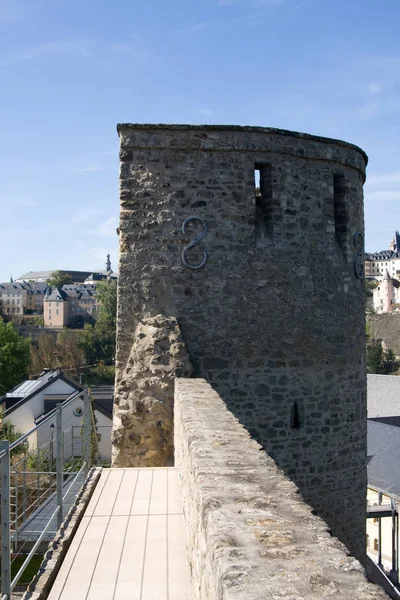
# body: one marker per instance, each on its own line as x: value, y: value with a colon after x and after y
x: 252, y: 239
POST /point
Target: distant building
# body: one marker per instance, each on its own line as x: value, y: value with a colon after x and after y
x: 77, y: 276
x: 29, y: 402
x: 383, y: 404
x: 14, y: 298
x: 26, y: 295
x: 377, y: 263
x: 386, y: 296
x: 64, y: 305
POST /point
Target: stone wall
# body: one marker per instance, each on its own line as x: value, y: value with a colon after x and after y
x: 385, y: 327
x: 250, y: 535
x: 275, y: 317
x: 143, y: 425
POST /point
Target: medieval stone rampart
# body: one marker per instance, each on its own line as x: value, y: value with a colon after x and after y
x: 250, y: 535
x: 274, y: 319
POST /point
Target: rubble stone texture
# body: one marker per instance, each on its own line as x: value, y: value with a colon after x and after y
x: 143, y: 424
x: 275, y: 318
x: 250, y: 536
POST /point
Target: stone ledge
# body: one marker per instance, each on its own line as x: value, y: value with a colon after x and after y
x: 121, y: 127
x: 250, y: 535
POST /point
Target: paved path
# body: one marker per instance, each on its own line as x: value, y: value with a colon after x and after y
x: 130, y: 544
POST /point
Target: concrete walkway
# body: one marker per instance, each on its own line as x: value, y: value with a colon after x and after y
x: 130, y: 544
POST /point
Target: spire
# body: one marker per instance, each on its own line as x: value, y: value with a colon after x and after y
x: 108, y: 263
x: 387, y: 276
x: 11, y: 279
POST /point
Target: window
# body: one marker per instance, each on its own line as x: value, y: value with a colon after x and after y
x: 339, y: 210
x: 263, y: 201
x: 56, y: 311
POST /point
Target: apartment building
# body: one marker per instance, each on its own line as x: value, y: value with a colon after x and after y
x: 14, y: 298
x: 377, y: 263
x: 63, y: 306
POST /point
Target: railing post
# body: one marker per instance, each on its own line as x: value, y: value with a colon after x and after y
x: 59, y: 463
x: 5, y: 520
x: 16, y: 508
x: 38, y: 469
x: 24, y: 490
x: 87, y: 430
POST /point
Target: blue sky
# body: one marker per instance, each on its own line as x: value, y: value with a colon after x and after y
x: 70, y: 70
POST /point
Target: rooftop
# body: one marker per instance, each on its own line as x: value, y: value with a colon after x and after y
x: 384, y: 457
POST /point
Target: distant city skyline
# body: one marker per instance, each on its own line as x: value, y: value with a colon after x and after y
x: 72, y: 70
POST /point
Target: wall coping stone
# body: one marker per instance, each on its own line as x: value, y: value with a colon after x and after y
x: 250, y: 534
x: 125, y: 127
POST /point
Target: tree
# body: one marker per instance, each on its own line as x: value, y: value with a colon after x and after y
x: 106, y: 293
x: 370, y: 285
x: 71, y: 353
x: 14, y: 357
x: 10, y: 433
x: 59, y: 278
x: 98, y: 342
x: 44, y: 354
x: 380, y: 361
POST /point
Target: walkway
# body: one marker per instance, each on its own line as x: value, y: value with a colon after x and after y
x: 130, y: 544
x: 31, y: 529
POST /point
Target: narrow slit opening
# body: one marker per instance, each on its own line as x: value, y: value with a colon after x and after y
x: 263, y: 204
x: 295, y: 420
x: 339, y: 210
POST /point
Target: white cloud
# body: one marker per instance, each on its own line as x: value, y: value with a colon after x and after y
x: 17, y: 10
x: 249, y: 3
x: 108, y: 228
x: 88, y: 214
x: 80, y: 48
x: 99, y: 254
x: 375, y: 88
x: 128, y: 50
x: 8, y: 203
x: 89, y: 167
x: 368, y: 111
x: 383, y: 187
x: 383, y: 195
x: 206, y: 112
x: 382, y: 180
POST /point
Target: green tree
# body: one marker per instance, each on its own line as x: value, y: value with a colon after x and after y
x: 370, y: 285
x: 380, y: 361
x: 70, y: 349
x: 98, y: 341
x: 14, y: 357
x: 106, y: 293
x: 59, y: 278
x: 44, y: 354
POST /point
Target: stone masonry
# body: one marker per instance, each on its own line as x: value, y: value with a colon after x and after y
x: 250, y: 536
x: 143, y: 425
x: 274, y: 320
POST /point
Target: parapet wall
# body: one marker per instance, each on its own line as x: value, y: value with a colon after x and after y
x: 250, y: 534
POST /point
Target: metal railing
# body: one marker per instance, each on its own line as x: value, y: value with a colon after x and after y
x: 54, y: 487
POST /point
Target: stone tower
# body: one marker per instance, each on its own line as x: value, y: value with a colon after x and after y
x: 250, y: 241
